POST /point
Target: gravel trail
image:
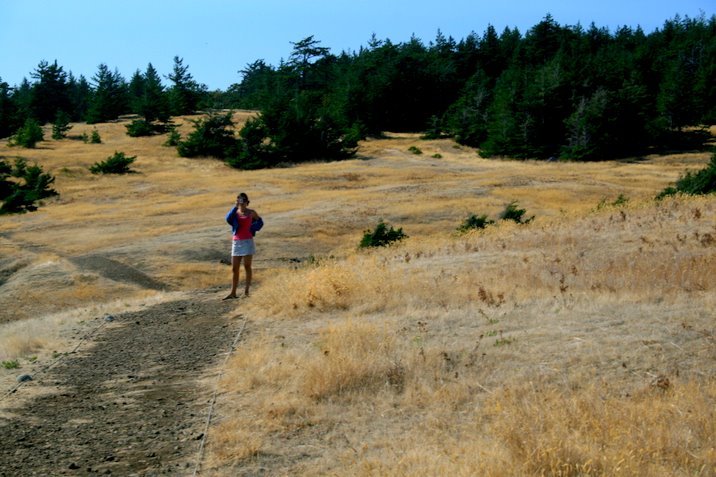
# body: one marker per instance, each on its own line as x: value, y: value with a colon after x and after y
x: 134, y: 401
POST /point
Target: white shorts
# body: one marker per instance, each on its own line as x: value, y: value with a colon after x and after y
x: 242, y: 248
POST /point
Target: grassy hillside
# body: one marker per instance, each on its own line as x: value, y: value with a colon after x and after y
x: 580, y: 344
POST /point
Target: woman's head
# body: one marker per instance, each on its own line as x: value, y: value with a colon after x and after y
x: 242, y: 198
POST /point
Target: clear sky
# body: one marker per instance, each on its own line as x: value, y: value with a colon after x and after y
x: 217, y: 38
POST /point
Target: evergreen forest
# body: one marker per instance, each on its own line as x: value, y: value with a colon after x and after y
x: 554, y: 92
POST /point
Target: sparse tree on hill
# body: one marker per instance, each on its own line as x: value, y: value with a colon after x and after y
x: 135, y: 90
x: 50, y: 93
x: 61, y: 125
x: 154, y: 105
x: 150, y: 101
x: 31, y: 185
x: 255, y: 88
x: 213, y: 136
x: 185, y: 93
x: 118, y: 163
x: 302, y: 56
x: 28, y: 135
x: 110, y: 98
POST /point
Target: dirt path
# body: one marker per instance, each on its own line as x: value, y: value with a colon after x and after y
x: 132, y: 402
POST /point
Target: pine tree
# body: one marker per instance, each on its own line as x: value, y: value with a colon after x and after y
x: 154, y: 104
x: 258, y: 80
x: 8, y: 111
x: 31, y: 185
x: 28, y: 135
x: 61, y: 125
x: 467, y: 117
x: 135, y: 91
x: 505, y: 126
x: 110, y: 98
x: 51, y: 92
x: 185, y: 93
x: 80, y: 93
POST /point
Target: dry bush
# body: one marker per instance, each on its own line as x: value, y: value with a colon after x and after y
x: 354, y: 357
x: 329, y: 285
x: 665, y: 429
x: 24, y: 338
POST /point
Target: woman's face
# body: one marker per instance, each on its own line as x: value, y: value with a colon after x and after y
x: 241, y: 202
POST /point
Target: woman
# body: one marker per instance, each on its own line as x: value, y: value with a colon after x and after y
x: 244, y: 223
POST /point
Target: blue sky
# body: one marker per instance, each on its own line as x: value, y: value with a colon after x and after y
x: 217, y: 38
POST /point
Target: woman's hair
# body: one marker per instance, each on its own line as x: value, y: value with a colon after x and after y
x: 244, y: 196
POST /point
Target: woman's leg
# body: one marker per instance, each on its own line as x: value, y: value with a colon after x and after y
x: 247, y: 266
x: 235, y: 269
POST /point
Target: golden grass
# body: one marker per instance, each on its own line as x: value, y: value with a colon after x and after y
x: 580, y: 344
x: 356, y: 357
x: 194, y: 275
x: 565, y: 347
x: 652, y: 252
x: 661, y: 430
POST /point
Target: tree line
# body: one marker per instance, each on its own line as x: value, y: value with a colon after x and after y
x: 555, y: 92
x: 56, y: 93
x: 558, y: 91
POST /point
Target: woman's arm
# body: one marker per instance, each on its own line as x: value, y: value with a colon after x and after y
x: 230, y: 216
x: 256, y: 222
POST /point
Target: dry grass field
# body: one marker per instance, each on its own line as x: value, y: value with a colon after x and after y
x: 582, y: 343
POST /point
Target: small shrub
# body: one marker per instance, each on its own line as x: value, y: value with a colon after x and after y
x: 11, y: 364
x: 115, y: 164
x: 474, y: 222
x: 437, y: 156
x: 139, y: 128
x: 512, y: 212
x: 93, y: 138
x: 504, y: 341
x: 28, y: 135
x: 434, y: 130
x: 212, y: 136
x: 30, y: 186
x: 621, y: 200
x: 694, y: 183
x: 174, y: 138
x: 142, y: 127
x: 61, y: 126
x: 5, y: 185
x: 415, y: 150
x: 381, y: 236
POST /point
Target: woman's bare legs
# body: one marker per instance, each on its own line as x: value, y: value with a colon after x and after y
x: 249, y: 272
x: 235, y: 269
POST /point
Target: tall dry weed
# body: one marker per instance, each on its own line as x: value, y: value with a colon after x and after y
x: 665, y: 429
x: 328, y: 285
x: 656, y: 252
x: 354, y: 357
